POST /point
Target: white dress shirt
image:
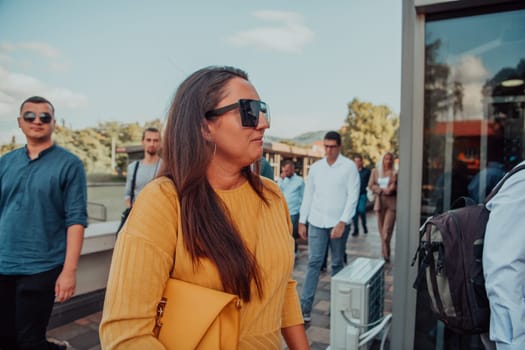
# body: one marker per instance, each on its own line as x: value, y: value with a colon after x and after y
x: 504, y: 263
x: 331, y: 193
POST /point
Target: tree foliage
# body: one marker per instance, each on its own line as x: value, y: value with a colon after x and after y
x: 369, y: 130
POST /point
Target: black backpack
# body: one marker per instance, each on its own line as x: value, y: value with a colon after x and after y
x: 450, y: 260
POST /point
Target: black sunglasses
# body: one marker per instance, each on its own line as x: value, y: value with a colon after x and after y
x: 249, y: 110
x: 31, y: 117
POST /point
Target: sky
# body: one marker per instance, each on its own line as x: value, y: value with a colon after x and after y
x: 99, y: 61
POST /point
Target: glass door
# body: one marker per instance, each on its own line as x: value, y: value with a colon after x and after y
x: 474, y: 124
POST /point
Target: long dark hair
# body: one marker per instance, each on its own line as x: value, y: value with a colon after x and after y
x: 207, y: 227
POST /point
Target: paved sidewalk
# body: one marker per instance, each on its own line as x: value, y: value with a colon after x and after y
x: 83, y: 333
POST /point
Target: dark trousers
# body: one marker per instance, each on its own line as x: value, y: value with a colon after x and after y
x: 360, y: 212
x: 295, y: 227
x: 26, y: 302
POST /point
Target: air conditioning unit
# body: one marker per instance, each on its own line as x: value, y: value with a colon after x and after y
x: 357, y: 302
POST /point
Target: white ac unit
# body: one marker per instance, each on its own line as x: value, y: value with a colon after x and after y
x: 357, y: 300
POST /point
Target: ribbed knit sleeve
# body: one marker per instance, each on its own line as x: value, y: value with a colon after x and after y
x: 142, y: 260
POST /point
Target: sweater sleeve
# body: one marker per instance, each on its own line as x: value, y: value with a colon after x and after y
x: 141, y: 264
x: 292, y: 314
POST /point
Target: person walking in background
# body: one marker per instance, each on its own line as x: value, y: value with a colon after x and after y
x: 504, y: 263
x: 208, y: 220
x: 487, y: 178
x: 292, y: 186
x: 329, y: 202
x: 383, y: 182
x: 266, y: 169
x: 43, y: 213
x: 364, y: 175
x: 140, y: 172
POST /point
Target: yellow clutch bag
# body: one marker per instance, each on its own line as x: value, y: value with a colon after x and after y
x: 190, y: 317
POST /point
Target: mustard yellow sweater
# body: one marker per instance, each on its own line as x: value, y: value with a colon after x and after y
x: 151, y: 238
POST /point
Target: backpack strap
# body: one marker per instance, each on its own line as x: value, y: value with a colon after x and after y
x: 133, y: 181
x: 500, y: 184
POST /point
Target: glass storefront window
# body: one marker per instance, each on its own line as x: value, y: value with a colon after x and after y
x: 474, y: 123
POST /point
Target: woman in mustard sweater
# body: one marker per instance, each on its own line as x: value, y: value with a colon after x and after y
x: 225, y: 226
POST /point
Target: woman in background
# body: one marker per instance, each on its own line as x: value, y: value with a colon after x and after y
x: 226, y: 227
x: 383, y: 182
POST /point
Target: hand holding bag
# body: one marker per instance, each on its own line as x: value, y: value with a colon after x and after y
x: 190, y: 316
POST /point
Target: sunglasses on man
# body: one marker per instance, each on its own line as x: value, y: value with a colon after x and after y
x: 31, y: 117
x: 249, y: 110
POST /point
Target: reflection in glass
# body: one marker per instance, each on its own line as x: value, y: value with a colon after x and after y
x: 474, y: 102
x: 473, y: 124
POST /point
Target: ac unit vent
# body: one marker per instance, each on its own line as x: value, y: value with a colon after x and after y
x: 358, y: 292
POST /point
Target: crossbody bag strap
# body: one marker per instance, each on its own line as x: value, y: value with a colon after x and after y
x: 500, y: 184
x: 133, y: 181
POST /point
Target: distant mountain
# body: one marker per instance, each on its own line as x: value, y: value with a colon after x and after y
x: 306, y: 139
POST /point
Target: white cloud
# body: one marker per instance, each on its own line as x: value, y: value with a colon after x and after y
x: 55, y: 59
x: 5, y: 58
x: 289, y: 34
x: 16, y: 87
x: 40, y: 48
x: 470, y: 69
x: 7, y: 47
x: 60, y: 66
x: 472, y: 73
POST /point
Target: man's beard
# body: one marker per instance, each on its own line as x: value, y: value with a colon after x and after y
x: 151, y: 153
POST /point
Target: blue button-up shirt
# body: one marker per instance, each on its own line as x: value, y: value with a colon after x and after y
x: 39, y: 200
x: 293, y: 189
x: 504, y: 263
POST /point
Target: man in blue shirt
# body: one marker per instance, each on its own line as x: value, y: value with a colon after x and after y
x: 42, y: 219
x: 504, y: 263
x: 292, y: 186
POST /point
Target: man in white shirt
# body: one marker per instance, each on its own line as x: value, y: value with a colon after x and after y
x: 329, y: 203
x: 504, y: 263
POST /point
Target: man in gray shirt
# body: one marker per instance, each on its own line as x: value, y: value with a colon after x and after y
x: 147, y: 167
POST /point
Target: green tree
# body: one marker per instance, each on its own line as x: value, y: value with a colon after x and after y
x: 369, y: 130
